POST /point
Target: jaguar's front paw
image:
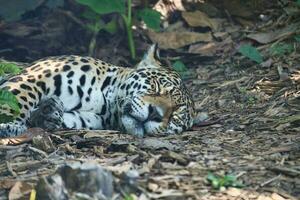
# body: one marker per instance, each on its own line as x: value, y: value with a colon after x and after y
x: 48, y: 115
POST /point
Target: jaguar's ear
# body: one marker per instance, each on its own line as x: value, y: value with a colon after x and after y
x: 150, y: 59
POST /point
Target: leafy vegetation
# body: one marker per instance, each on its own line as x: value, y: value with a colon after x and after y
x: 251, y: 52
x: 128, y: 197
x: 297, y: 38
x: 101, y: 7
x: 150, y: 17
x: 180, y: 67
x: 280, y: 49
x: 223, y: 181
x: 9, y: 68
x: 8, y: 102
x: 104, y: 6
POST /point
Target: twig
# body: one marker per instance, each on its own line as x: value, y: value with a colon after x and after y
x: 38, y: 151
x: 10, y: 170
x: 229, y: 16
x: 270, y: 180
x: 286, y: 171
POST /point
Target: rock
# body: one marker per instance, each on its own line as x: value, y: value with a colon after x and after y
x: 75, y: 181
x: 201, y: 117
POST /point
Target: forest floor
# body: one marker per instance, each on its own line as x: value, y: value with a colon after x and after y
x: 249, y: 125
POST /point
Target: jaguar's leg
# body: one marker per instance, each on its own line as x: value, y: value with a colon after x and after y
x: 12, y: 129
x: 83, y: 120
x: 48, y: 114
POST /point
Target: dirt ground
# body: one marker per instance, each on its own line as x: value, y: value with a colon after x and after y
x: 249, y: 124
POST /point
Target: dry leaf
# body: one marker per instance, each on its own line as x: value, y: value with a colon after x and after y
x: 264, y: 197
x: 200, y: 19
x: 99, y: 133
x: 275, y: 196
x: 237, y: 8
x: 157, y: 143
x: 175, y: 40
x: 244, y: 22
x: 7, y: 183
x: 272, y: 36
x: 44, y: 143
x: 208, y: 49
x: 19, y: 191
x: 234, y: 192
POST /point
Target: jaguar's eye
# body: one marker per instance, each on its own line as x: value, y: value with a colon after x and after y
x: 154, y: 114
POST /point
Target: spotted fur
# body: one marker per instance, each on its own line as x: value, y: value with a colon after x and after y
x: 147, y: 99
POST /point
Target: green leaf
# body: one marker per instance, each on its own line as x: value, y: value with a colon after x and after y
x: 280, y: 49
x: 226, y: 181
x: 298, y: 2
x: 211, y: 176
x: 297, y: 37
x: 179, y: 66
x: 251, y: 53
x: 128, y: 197
x: 95, y: 27
x: 90, y: 14
x: 111, y: 26
x: 8, y: 99
x: 104, y: 6
x: 150, y: 17
x: 9, y: 68
x: 229, y: 178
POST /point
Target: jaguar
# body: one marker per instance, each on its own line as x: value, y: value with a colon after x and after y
x: 78, y: 92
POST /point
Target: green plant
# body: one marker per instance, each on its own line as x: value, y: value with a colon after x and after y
x: 250, y: 52
x: 101, y: 7
x: 95, y: 25
x: 9, y: 68
x: 180, y: 67
x: 8, y: 102
x: 223, y: 181
x: 128, y: 197
x: 150, y: 17
x: 280, y: 49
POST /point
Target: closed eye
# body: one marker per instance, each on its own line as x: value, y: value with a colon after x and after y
x: 154, y: 115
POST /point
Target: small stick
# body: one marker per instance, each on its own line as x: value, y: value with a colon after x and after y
x: 10, y: 170
x: 38, y: 151
x: 270, y: 181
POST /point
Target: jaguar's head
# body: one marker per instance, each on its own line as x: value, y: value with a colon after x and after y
x: 156, y: 100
